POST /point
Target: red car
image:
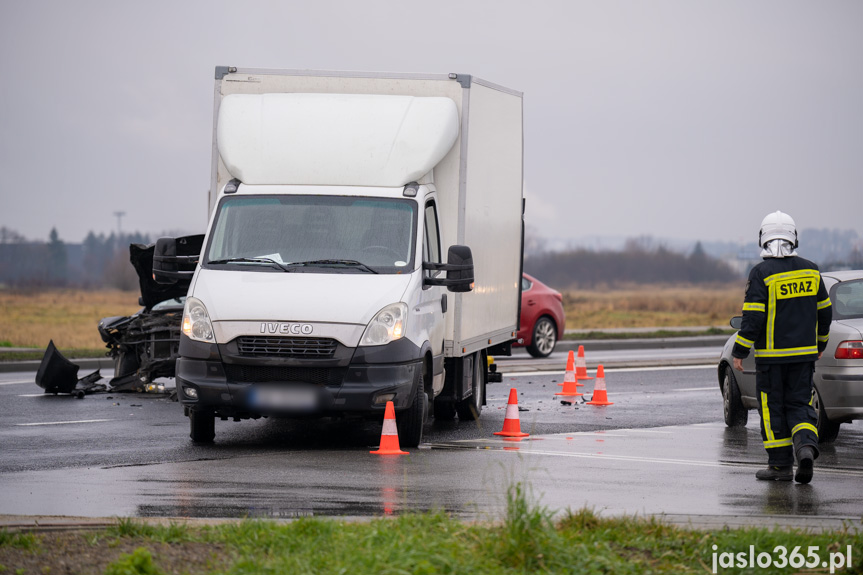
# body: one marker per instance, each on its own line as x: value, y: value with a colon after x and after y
x: 542, y: 320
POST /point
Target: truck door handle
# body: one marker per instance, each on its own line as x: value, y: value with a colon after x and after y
x: 443, y: 303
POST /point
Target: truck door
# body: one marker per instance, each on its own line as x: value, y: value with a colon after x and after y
x: 433, y: 300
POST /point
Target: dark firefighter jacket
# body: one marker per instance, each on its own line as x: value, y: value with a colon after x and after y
x: 786, y: 312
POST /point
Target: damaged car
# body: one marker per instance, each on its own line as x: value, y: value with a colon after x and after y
x: 145, y: 346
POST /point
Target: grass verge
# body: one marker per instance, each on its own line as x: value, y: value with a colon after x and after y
x: 527, y: 540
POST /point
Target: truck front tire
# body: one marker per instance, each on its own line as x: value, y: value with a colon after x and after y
x: 411, y: 421
x: 202, y: 426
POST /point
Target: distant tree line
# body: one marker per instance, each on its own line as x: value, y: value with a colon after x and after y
x: 100, y: 261
x: 637, y: 263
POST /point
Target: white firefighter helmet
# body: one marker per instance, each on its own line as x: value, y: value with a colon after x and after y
x: 777, y: 225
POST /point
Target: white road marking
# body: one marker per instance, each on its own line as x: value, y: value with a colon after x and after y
x: 607, y: 370
x: 17, y: 382
x: 660, y: 368
x: 34, y: 394
x: 713, y: 388
x: 63, y: 422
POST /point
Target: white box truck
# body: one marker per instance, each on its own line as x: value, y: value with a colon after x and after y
x: 364, y: 246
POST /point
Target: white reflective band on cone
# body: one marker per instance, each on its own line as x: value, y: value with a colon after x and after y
x: 511, y: 411
x: 389, y: 427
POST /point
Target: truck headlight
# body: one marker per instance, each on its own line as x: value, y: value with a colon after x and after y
x: 196, y: 321
x: 387, y: 325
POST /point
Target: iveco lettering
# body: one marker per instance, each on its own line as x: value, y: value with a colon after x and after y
x: 364, y: 246
x: 286, y: 328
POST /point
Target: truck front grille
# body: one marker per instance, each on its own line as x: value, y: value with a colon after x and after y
x: 262, y: 374
x: 294, y: 347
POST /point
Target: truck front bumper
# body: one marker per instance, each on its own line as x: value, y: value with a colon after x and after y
x: 357, y: 389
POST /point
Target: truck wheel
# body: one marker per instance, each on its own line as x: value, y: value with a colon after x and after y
x: 410, y: 422
x: 544, y: 338
x: 202, y: 426
x: 470, y: 408
x: 736, y: 415
x: 828, y: 430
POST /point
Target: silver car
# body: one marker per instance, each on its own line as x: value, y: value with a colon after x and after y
x: 838, y: 394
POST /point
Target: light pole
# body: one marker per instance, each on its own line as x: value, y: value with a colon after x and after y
x: 119, y: 219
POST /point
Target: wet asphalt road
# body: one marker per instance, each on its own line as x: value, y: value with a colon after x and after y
x: 660, y: 449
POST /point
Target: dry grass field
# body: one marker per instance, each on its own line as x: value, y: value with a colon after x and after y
x: 652, y: 306
x: 69, y: 317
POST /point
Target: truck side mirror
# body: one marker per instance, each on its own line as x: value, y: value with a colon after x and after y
x: 175, y: 258
x: 459, y: 270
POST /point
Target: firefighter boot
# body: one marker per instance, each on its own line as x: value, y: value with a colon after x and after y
x: 776, y: 473
x: 805, y: 457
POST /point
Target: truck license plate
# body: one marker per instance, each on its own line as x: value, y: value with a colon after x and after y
x: 284, y: 399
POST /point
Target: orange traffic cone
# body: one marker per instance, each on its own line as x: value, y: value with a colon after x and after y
x: 511, y: 423
x: 570, y: 384
x: 570, y: 366
x: 389, y: 434
x: 600, y: 395
x: 581, y: 366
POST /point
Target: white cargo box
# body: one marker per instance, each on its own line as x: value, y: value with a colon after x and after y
x: 472, y: 150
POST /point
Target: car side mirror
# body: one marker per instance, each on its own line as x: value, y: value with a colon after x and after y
x: 736, y: 322
x: 175, y: 258
x: 458, y: 268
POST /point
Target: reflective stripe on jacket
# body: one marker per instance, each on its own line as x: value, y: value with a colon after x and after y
x: 786, y: 312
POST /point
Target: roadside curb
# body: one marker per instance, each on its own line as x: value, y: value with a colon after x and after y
x: 652, y: 343
x: 33, y: 365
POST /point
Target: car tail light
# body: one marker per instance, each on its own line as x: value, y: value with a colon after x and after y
x: 849, y: 350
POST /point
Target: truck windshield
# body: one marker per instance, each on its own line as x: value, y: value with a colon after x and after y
x: 320, y: 234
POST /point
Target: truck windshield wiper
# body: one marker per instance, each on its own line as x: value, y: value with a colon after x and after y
x: 250, y: 260
x: 349, y: 263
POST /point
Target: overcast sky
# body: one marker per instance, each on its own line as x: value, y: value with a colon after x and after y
x: 676, y: 119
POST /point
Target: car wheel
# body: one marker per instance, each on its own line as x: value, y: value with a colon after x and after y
x: 411, y: 421
x: 736, y: 415
x: 544, y: 338
x: 828, y: 430
x: 470, y: 408
x: 202, y: 426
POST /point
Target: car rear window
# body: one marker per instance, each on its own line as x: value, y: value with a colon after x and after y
x: 847, y: 299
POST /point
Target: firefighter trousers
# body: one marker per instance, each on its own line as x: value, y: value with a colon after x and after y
x: 785, y: 406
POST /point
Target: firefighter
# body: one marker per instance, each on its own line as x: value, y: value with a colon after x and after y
x: 786, y: 318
